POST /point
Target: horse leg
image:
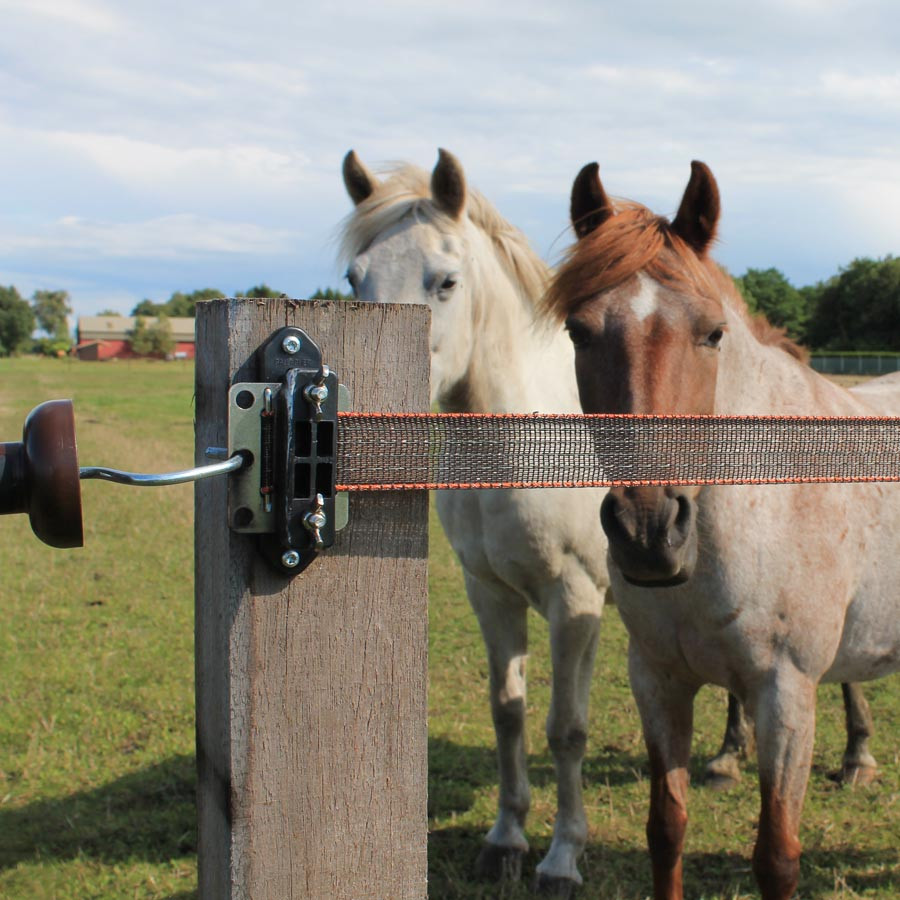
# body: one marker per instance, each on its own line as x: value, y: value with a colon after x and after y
x: 859, y: 766
x: 667, y: 708
x: 785, y: 716
x: 574, y: 617
x: 723, y: 770
x: 504, y: 627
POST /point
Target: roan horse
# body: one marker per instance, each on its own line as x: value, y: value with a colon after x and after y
x: 765, y: 590
x: 412, y: 239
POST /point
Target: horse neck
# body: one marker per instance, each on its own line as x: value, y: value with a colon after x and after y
x: 762, y: 379
x: 515, y: 365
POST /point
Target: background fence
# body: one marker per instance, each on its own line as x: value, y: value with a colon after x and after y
x: 855, y: 363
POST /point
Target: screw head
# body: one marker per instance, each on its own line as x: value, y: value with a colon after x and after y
x: 291, y: 344
x: 290, y: 559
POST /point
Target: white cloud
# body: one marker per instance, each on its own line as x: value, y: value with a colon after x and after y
x: 139, y: 162
x: 80, y: 13
x: 666, y: 80
x: 880, y: 89
x: 175, y: 237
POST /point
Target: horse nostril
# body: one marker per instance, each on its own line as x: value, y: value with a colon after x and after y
x: 681, y: 521
x: 617, y: 518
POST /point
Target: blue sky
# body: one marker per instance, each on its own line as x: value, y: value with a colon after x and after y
x: 152, y: 147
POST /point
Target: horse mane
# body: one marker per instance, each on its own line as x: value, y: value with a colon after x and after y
x: 407, y: 189
x: 637, y: 240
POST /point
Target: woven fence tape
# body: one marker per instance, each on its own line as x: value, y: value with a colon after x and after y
x: 445, y: 451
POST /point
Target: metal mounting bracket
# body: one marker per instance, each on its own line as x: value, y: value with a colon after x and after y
x: 285, y: 427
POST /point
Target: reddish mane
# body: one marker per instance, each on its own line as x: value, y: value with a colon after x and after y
x: 636, y: 240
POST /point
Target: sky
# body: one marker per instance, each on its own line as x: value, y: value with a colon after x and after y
x: 154, y: 147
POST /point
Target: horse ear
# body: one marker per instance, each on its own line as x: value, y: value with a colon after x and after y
x: 448, y: 184
x: 698, y: 214
x: 358, y: 180
x: 590, y: 207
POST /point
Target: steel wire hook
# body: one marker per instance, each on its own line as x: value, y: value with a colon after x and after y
x: 140, y: 479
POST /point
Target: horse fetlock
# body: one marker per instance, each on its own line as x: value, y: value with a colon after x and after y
x: 777, y: 872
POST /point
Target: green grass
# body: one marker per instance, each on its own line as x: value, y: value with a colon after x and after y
x: 96, y: 702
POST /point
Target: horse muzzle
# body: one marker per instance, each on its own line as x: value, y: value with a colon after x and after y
x: 652, y: 534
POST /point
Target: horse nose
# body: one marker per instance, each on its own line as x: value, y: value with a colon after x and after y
x: 652, y: 534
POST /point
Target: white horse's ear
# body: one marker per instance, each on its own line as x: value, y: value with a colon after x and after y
x: 448, y: 185
x: 358, y: 180
x: 698, y: 214
x: 589, y: 207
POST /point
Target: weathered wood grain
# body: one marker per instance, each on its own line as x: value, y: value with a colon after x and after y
x: 311, y: 692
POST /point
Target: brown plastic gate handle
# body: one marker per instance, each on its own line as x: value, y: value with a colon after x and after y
x: 40, y: 476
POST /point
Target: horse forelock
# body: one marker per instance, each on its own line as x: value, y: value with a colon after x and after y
x: 637, y: 240
x: 407, y: 190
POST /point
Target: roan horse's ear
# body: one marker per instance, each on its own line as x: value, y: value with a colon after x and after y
x: 358, y: 180
x: 448, y: 185
x: 590, y: 207
x: 698, y: 214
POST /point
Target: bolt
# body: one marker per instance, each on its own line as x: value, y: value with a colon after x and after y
x: 290, y: 559
x: 316, y: 393
x: 315, y: 520
x: 291, y: 344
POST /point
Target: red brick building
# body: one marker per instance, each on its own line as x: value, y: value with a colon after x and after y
x: 107, y: 337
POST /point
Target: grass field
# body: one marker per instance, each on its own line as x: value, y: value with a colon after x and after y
x: 96, y: 687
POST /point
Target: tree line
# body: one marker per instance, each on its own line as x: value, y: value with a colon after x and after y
x: 858, y: 309
x: 19, y: 317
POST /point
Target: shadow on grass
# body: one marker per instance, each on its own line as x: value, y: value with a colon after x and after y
x: 457, y: 771
x: 149, y: 815
x: 616, y: 871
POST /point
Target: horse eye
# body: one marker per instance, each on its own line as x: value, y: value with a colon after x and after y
x: 579, y: 335
x: 448, y: 283
x: 714, y: 338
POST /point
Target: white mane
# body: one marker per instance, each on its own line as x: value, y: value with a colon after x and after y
x: 407, y: 191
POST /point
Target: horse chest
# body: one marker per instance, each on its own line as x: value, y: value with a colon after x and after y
x: 522, y: 540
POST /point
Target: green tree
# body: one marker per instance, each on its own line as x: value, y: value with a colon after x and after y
x: 16, y: 321
x: 162, y: 337
x: 140, y: 337
x: 262, y: 292
x: 147, y: 308
x: 109, y: 312
x: 330, y: 294
x: 768, y: 291
x: 150, y: 338
x: 50, y: 310
x: 859, y: 309
x: 179, y: 304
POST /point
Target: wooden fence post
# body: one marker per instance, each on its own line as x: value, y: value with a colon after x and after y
x: 311, y: 692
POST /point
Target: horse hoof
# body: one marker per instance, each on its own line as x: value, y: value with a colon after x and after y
x: 496, y: 863
x: 857, y: 776
x: 721, y: 774
x: 549, y: 886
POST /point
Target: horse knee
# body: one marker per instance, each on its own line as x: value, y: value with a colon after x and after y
x: 509, y: 715
x: 567, y: 742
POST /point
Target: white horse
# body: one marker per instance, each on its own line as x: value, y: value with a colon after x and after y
x: 766, y: 590
x: 412, y: 239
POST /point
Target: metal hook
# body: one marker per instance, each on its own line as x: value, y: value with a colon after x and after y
x: 139, y: 479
